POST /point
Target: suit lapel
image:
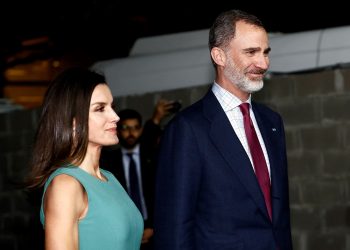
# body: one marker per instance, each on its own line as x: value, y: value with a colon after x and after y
x: 146, y: 167
x: 271, y: 136
x: 120, y: 174
x: 228, y: 144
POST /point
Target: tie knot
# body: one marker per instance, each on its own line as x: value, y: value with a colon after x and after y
x: 244, y: 108
x: 129, y: 154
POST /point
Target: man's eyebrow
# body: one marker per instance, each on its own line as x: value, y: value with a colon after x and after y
x: 267, y: 50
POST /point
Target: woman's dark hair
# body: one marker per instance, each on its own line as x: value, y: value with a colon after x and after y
x: 62, y: 133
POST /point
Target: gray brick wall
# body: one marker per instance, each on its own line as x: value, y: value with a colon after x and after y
x: 19, y: 225
x: 315, y: 110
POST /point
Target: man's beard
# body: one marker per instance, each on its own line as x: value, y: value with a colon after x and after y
x: 239, y: 79
x: 129, y: 143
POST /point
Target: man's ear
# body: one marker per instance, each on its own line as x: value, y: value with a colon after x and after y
x: 218, y: 55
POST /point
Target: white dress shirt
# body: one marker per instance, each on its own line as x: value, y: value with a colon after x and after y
x: 230, y: 104
x: 126, y: 160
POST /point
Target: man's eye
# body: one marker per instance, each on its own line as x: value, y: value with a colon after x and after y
x: 129, y: 128
x: 251, y: 52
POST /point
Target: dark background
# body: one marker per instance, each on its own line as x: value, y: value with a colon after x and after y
x: 104, y: 29
x: 93, y: 30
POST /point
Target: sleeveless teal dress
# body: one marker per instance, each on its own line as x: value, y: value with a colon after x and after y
x: 112, y: 222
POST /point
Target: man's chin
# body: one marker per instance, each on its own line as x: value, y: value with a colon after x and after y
x: 254, y: 86
x: 127, y: 145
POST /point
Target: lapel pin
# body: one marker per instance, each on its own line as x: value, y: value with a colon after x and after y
x: 273, y: 129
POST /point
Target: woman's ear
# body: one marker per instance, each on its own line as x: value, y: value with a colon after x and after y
x: 218, y: 56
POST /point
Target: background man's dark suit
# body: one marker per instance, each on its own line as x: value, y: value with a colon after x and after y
x: 210, y: 198
x: 112, y: 161
x: 142, y: 142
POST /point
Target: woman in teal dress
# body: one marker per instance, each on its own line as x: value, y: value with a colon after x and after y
x: 83, y: 206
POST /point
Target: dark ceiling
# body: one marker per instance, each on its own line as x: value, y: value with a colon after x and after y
x: 104, y: 29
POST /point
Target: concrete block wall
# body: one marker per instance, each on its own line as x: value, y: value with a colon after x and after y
x: 315, y: 110
x: 19, y: 225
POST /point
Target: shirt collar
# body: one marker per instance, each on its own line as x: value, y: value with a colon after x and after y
x: 227, y: 100
x: 135, y: 150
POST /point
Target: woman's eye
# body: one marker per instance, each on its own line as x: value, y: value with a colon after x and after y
x: 100, y: 109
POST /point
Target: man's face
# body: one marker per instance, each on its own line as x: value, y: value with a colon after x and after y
x: 247, y: 59
x: 129, y: 132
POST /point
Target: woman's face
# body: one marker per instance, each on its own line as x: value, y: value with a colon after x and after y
x: 102, y: 118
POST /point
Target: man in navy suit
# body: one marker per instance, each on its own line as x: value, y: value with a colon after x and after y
x: 208, y: 194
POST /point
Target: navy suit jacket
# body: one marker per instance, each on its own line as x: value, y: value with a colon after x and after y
x: 207, y: 194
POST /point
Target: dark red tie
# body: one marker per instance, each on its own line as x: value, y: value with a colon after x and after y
x: 256, y: 152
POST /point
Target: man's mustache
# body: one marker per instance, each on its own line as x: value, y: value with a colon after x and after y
x: 257, y: 71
